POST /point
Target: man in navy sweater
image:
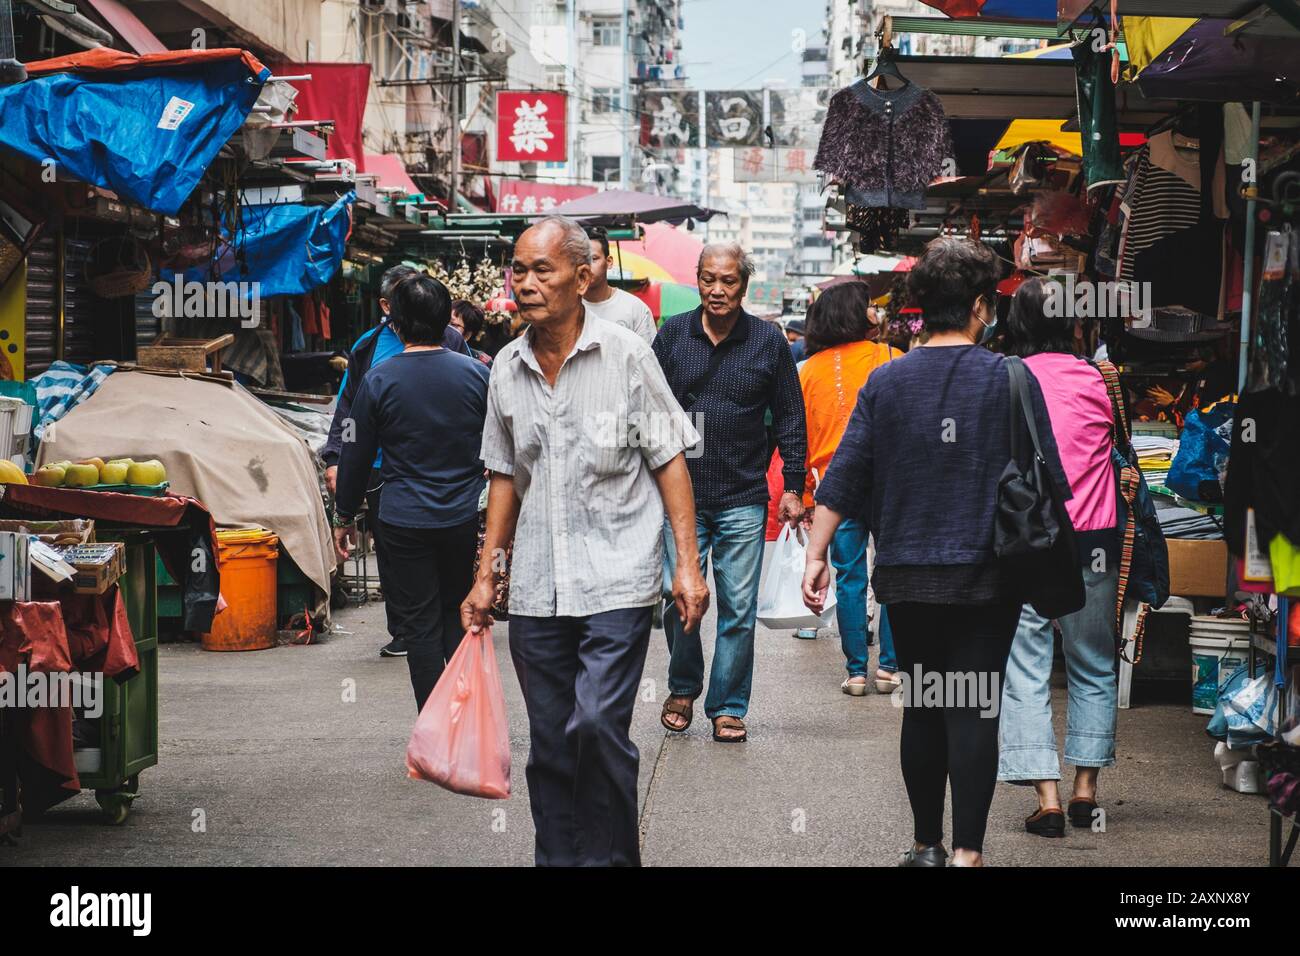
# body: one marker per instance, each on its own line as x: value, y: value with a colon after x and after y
x: 728, y: 368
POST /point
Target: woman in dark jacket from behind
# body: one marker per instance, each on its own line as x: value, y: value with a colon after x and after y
x: 920, y: 460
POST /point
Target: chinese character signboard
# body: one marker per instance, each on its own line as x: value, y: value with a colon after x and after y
x: 797, y: 115
x: 670, y: 119
x: 530, y: 196
x: 782, y: 165
x: 531, y: 127
x: 734, y: 118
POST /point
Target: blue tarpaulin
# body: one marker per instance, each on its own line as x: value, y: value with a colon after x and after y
x: 286, y: 248
x: 145, y: 129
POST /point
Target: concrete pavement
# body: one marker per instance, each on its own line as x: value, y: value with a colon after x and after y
x: 264, y: 762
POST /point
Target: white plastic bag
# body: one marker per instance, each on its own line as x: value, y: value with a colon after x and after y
x: 780, y: 598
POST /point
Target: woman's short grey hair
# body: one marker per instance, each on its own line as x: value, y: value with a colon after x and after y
x: 576, y: 243
x: 731, y: 250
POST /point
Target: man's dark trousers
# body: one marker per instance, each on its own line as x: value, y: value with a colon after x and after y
x: 580, y: 677
x: 374, y: 492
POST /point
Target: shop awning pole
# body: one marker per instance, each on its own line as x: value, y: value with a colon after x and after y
x: 1248, y: 279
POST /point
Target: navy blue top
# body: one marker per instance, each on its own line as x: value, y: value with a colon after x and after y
x: 920, y: 462
x: 756, y: 372
x: 426, y: 411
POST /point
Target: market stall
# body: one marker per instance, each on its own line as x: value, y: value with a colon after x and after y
x: 78, y: 623
x: 1167, y: 232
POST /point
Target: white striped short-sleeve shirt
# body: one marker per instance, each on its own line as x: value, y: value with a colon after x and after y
x: 590, y: 532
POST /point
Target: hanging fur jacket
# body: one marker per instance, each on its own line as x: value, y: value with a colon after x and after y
x: 886, y: 147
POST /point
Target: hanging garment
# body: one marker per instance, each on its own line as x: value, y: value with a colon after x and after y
x: 1097, y: 120
x: 877, y: 228
x: 1184, y: 268
x: 1158, y: 203
x: 1236, y: 134
x: 297, y: 342
x: 1265, y: 460
x: 1271, y: 365
x: 1285, y: 558
x: 1183, y: 156
x: 885, y: 146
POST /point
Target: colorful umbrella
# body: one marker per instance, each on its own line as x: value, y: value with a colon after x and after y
x: 667, y: 253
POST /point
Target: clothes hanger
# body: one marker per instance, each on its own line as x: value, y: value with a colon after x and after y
x: 886, y: 65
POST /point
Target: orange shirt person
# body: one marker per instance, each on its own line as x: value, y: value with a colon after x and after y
x: 840, y: 361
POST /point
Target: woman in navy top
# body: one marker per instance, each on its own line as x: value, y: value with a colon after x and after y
x: 425, y: 409
x: 919, y: 464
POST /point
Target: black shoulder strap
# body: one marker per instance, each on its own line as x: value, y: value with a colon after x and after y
x: 1020, y: 397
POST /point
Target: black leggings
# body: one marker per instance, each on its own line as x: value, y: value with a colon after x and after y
x: 429, y: 572
x: 941, y: 740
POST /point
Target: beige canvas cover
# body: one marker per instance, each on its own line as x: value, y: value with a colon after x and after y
x: 220, y: 445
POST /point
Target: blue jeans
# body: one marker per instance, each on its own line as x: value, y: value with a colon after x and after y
x: 1028, y: 743
x: 735, y: 539
x: 848, y: 554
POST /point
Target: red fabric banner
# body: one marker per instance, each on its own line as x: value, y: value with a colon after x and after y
x: 532, y: 127
x: 527, y: 195
x: 338, y: 92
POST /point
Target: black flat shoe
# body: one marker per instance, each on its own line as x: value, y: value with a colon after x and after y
x: 1081, y: 810
x: 1046, y: 823
x: 930, y: 856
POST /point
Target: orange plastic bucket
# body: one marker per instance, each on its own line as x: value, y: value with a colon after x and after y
x: 247, y: 560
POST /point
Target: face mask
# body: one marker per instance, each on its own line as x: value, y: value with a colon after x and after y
x: 987, y: 332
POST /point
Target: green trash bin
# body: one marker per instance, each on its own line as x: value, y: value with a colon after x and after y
x: 129, y: 724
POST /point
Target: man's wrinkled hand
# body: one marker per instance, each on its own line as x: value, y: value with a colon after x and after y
x: 790, y: 510
x: 476, y: 609
x: 690, y: 595
x: 344, y: 538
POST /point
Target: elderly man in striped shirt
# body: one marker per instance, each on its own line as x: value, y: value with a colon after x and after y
x: 584, y: 442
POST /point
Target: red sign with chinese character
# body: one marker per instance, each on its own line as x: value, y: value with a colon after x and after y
x: 531, y: 127
x: 529, y: 196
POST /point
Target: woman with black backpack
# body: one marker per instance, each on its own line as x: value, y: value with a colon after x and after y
x: 1041, y: 331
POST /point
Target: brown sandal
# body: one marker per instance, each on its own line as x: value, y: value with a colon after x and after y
x: 727, y: 722
x: 682, y: 707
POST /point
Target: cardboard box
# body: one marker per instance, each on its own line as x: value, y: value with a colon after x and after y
x: 1198, y: 568
x: 97, y: 566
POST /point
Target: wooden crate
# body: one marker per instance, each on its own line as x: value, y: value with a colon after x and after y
x: 190, y: 355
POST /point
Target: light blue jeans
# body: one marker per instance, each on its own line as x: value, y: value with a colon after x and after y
x: 734, y: 537
x: 1027, y: 742
x: 848, y: 554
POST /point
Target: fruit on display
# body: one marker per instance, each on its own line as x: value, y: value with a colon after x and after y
x: 97, y: 471
x: 149, y: 472
x: 50, y: 476
x: 81, y: 475
x: 115, y: 472
x: 11, y: 474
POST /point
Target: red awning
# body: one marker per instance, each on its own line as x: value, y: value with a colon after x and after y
x: 128, y: 26
x: 391, y: 172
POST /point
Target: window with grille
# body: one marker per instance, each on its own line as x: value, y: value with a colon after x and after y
x: 607, y: 31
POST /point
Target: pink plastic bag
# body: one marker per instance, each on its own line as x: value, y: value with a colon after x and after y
x: 461, y: 740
